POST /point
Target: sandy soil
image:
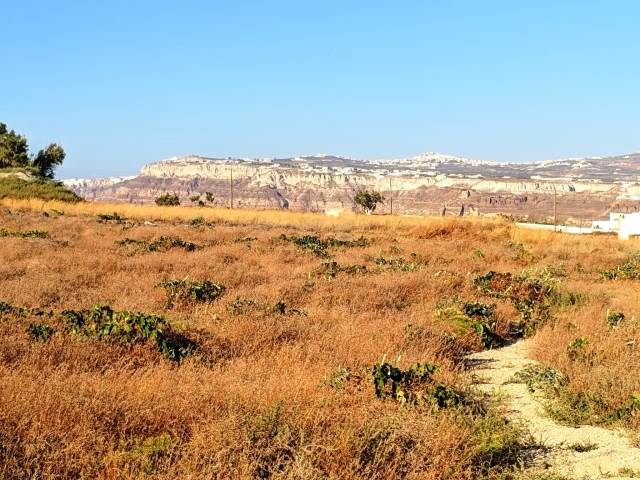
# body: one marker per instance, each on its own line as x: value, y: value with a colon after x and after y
x: 612, y: 456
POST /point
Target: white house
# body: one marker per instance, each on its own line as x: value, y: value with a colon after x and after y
x: 626, y: 224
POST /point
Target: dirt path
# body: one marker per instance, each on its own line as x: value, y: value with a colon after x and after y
x: 612, y: 454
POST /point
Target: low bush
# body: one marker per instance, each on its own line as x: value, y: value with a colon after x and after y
x: 40, y: 331
x: 162, y: 244
x: 168, y: 200
x: 23, y: 233
x: 473, y: 317
x: 103, y: 323
x: 191, y: 291
x: 531, y: 293
x: 614, y: 318
x: 414, y: 386
x: 320, y: 246
x: 628, y: 270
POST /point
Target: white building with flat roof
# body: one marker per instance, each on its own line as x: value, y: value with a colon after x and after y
x: 625, y: 224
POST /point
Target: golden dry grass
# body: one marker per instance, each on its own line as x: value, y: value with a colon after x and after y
x: 255, y: 401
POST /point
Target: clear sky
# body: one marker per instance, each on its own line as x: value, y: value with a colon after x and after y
x: 122, y: 83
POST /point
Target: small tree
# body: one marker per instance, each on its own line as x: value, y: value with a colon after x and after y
x: 48, y: 159
x: 168, y: 200
x: 14, y: 150
x: 368, y: 201
x: 209, y: 197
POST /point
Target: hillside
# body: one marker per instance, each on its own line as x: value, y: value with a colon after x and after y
x: 20, y: 183
x: 169, y: 342
x: 428, y: 183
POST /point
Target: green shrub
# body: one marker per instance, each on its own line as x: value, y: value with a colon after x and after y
x: 103, y: 323
x: 162, y: 244
x: 319, y: 246
x: 576, y: 348
x: 532, y: 293
x: 625, y: 411
x: 413, y: 386
x: 476, y: 317
x: 629, y: 270
x: 168, y: 200
x: 40, y: 331
x: 8, y: 309
x: 614, y: 318
x: 191, y: 291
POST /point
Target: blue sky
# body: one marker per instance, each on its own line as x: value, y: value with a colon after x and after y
x: 119, y: 84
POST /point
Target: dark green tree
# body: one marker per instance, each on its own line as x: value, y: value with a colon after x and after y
x: 14, y: 150
x: 48, y: 159
x: 368, y: 201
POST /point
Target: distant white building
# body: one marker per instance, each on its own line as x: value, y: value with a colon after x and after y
x: 625, y: 224
x: 333, y: 212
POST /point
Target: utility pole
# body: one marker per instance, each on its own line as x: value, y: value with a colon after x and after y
x: 231, y: 186
x: 390, y: 196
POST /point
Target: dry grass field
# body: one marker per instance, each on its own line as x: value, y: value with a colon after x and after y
x: 273, y: 326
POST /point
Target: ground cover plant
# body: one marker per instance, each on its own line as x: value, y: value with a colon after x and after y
x: 191, y: 291
x: 290, y: 370
x: 161, y: 244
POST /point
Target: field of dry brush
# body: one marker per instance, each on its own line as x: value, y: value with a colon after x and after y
x: 206, y: 343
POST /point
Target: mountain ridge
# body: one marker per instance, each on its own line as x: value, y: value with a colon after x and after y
x: 425, y: 183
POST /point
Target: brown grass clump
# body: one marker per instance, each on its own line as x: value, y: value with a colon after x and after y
x: 279, y: 384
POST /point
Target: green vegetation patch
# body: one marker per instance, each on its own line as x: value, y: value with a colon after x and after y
x: 40, y: 331
x: 331, y: 269
x: 23, y: 233
x: 191, y: 291
x: 532, y: 293
x: 414, y: 386
x: 17, y: 188
x: 103, y: 323
x: 319, y: 247
x: 539, y: 377
x: 395, y: 264
x: 628, y: 270
x: 162, y: 244
x: 614, y: 318
x: 168, y: 200
x: 473, y: 317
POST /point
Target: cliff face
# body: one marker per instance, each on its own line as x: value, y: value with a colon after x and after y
x: 428, y: 183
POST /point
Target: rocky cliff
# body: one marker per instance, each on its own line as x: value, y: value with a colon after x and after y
x: 427, y: 183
